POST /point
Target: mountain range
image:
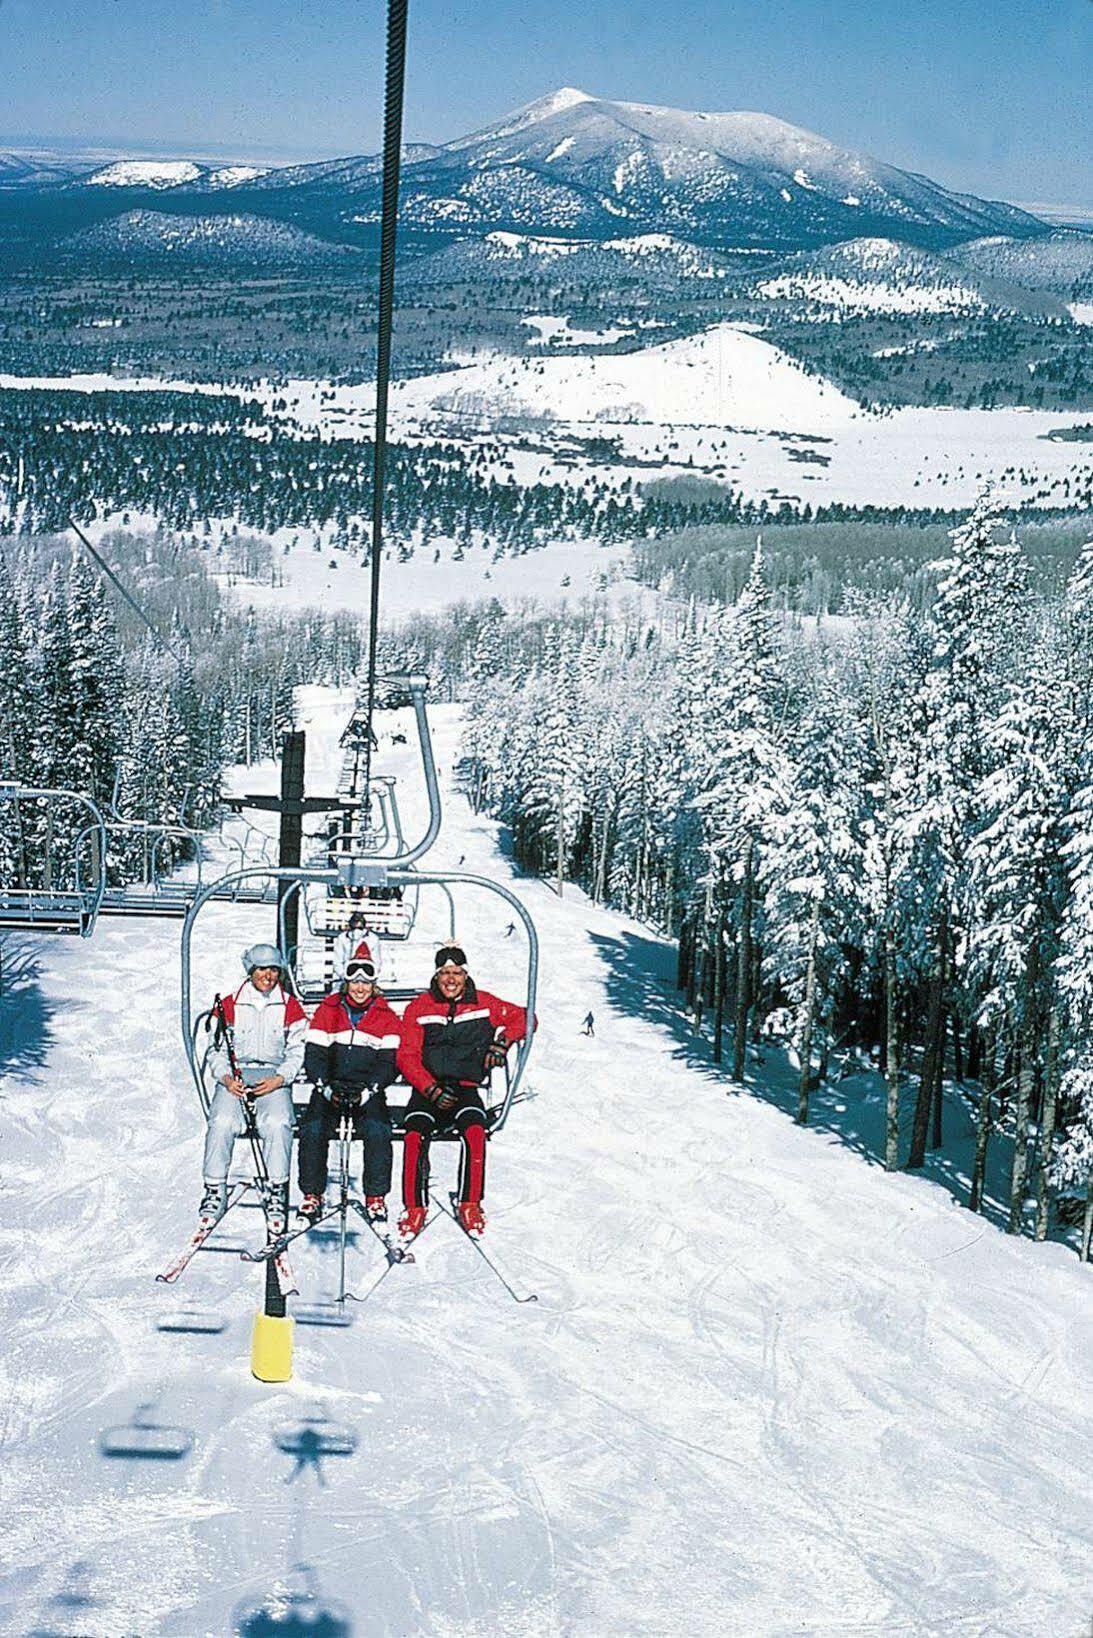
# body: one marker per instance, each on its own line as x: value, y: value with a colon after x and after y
x: 569, y: 165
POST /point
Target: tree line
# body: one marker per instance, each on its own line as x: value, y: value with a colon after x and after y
x: 880, y: 837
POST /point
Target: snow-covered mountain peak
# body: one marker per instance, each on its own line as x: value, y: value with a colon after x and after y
x: 532, y: 113
x: 146, y: 173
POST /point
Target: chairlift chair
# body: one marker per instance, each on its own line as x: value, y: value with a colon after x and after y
x: 378, y: 874
x: 48, y: 909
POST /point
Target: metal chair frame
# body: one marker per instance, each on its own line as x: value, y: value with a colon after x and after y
x: 377, y: 874
x: 58, y: 910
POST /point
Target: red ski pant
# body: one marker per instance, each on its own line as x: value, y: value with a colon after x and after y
x: 422, y: 1122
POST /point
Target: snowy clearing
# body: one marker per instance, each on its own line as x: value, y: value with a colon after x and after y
x: 724, y: 405
x: 766, y: 1390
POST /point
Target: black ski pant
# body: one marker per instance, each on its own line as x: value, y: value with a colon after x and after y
x: 371, y: 1123
x: 422, y: 1121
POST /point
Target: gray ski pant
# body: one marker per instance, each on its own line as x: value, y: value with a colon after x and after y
x: 274, y: 1118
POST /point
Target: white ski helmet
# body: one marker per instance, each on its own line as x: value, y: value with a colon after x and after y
x: 263, y: 955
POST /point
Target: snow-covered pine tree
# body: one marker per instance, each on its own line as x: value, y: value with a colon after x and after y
x: 1015, y: 886
x: 981, y: 599
x: 813, y: 873
x: 746, y: 782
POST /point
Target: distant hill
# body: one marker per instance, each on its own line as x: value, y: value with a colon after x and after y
x: 882, y: 276
x: 152, y: 240
x: 1061, y: 263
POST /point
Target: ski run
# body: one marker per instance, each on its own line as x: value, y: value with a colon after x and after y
x: 765, y: 1389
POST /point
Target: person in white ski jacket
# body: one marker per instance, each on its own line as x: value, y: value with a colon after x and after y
x: 263, y: 1028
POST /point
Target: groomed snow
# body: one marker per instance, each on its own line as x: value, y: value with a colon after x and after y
x: 766, y: 1390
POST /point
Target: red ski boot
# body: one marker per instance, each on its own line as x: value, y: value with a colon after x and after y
x: 375, y: 1208
x: 412, y: 1221
x: 471, y: 1217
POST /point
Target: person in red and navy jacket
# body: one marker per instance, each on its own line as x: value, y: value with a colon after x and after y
x: 452, y: 1036
x: 349, y: 1058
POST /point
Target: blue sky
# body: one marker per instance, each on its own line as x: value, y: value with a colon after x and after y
x: 994, y: 98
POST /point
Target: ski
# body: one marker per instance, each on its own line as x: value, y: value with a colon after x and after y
x: 275, y: 1247
x: 453, y: 1213
x: 394, y: 1252
x: 408, y: 1257
x: 285, y: 1277
x: 197, y: 1240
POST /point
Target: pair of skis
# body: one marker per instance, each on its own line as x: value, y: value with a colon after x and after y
x: 285, y: 1276
x: 394, y: 1252
x: 452, y: 1211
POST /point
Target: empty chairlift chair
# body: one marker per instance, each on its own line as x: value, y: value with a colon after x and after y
x: 53, y: 845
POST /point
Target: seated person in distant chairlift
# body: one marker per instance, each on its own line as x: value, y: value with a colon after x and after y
x: 350, y: 1062
x: 345, y: 945
x: 263, y: 1029
x: 452, y: 1037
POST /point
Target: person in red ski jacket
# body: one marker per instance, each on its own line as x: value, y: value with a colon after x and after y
x: 349, y: 1059
x: 452, y: 1037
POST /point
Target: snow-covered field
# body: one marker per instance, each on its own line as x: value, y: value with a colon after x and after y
x: 766, y: 1389
x: 725, y: 405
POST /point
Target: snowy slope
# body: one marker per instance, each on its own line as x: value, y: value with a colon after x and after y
x: 766, y: 1389
x: 721, y: 377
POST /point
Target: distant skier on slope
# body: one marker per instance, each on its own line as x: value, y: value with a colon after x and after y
x: 452, y: 1036
x: 350, y: 1062
x: 589, y: 1025
x: 257, y: 1053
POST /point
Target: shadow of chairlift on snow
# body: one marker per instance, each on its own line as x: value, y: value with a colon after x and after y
x: 311, y: 1441
x: 73, y: 1609
x: 323, y: 1315
x: 295, y: 1609
x: 145, y: 1440
x: 193, y: 1322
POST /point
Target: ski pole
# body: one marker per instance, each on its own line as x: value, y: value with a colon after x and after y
x: 344, y: 1130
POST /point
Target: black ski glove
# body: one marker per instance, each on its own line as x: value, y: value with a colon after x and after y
x: 346, y: 1097
x: 443, y: 1098
x: 495, y: 1056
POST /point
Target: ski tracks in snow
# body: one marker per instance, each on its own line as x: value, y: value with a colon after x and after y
x: 765, y: 1391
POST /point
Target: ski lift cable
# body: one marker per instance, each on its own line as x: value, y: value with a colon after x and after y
x: 392, y: 152
x: 123, y: 592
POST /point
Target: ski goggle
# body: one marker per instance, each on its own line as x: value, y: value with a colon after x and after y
x: 360, y: 972
x: 450, y: 956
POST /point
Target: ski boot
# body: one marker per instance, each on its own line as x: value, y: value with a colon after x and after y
x: 472, y: 1219
x: 375, y: 1208
x: 275, y: 1206
x: 411, y: 1223
x: 214, y: 1203
x: 309, y: 1210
